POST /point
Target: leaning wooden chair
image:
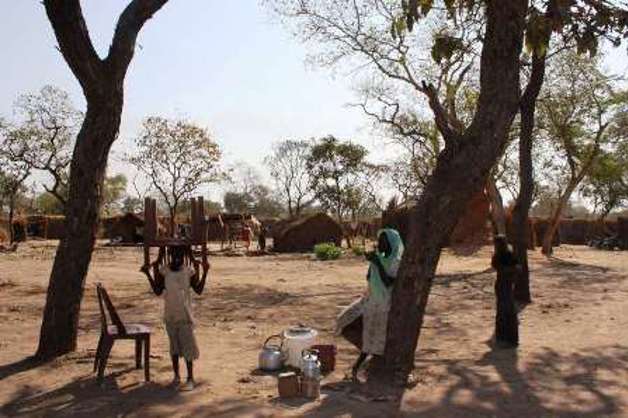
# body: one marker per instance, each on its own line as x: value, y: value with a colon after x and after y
x: 119, y: 331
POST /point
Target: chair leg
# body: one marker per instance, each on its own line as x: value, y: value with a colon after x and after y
x: 138, y: 353
x: 98, y: 353
x: 106, y: 350
x: 147, y: 358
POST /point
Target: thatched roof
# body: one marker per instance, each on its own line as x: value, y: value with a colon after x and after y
x: 472, y: 227
x: 302, y: 234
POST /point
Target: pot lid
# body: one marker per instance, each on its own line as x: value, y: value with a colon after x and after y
x: 300, y: 332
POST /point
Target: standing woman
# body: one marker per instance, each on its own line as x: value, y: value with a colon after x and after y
x: 383, y: 266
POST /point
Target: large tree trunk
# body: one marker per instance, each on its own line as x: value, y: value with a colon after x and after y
x: 521, y: 234
x: 102, y: 81
x: 548, y: 238
x: 87, y: 174
x: 461, y: 171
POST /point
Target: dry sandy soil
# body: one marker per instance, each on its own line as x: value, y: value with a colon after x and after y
x: 572, y: 362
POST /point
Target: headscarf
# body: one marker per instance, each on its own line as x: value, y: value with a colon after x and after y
x: 390, y: 263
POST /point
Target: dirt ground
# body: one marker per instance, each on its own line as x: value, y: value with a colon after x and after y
x: 572, y: 362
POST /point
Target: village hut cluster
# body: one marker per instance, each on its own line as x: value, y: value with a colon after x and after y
x: 303, y: 233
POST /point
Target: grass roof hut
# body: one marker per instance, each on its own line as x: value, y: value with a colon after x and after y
x: 302, y: 234
x: 472, y: 228
x: 129, y: 228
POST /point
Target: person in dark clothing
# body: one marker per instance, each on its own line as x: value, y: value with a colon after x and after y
x: 506, y: 322
x: 261, y: 239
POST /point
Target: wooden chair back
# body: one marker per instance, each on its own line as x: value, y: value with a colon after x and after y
x: 104, y: 302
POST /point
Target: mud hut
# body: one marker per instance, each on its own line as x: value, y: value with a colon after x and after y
x: 127, y: 228
x: 18, y: 227
x: 472, y: 228
x: 36, y: 226
x: 398, y: 218
x: 581, y: 231
x: 622, y: 232
x: 540, y: 226
x: 301, y: 235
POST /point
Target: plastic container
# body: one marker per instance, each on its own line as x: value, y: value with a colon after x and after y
x: 295, y: 340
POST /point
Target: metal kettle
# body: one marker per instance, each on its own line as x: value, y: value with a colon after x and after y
x: 271, y: 358
x: 310, y: 365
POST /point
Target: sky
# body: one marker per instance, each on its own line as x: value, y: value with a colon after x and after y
x: 225, y: 65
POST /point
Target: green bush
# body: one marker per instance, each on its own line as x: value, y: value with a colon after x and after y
x: 327, y: 251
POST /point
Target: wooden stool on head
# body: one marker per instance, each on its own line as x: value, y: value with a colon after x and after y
x: 153, y: 238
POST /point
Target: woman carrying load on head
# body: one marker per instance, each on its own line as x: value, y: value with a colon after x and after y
x: 374, y: 306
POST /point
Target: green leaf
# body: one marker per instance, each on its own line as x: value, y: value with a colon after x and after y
x: 426, y: 6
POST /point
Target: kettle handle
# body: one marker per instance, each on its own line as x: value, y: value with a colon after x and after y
x: 274, y: 336
x: 311, y: 351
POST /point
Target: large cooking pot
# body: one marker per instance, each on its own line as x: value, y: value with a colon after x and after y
x: 271, y: 358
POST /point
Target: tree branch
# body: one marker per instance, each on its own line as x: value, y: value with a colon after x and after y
x: 441, y: 117
x: 75, y: 44
x: 124, y: 39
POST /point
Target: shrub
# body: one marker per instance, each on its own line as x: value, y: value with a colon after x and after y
x: 327, y: 251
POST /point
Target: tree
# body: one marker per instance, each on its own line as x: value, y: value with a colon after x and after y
x: 115, y: 189
x: 580, y: 112
x: 238, y: 202
x: 334, y: 168
x: 102, y: 81
x: 43, y: 138
x: 578, y: 28
x: 13, y: 173
x: 47, y: 204
x: 132, y: 204
x: 210, y: 207
x: 267, y: 205
x: 249, y: 195
x: 468, y: 153
x: 177, y: 158
x: 288, y: 167
x: 12, y: 178
x: 606, y: 185
x: 523, y: 202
